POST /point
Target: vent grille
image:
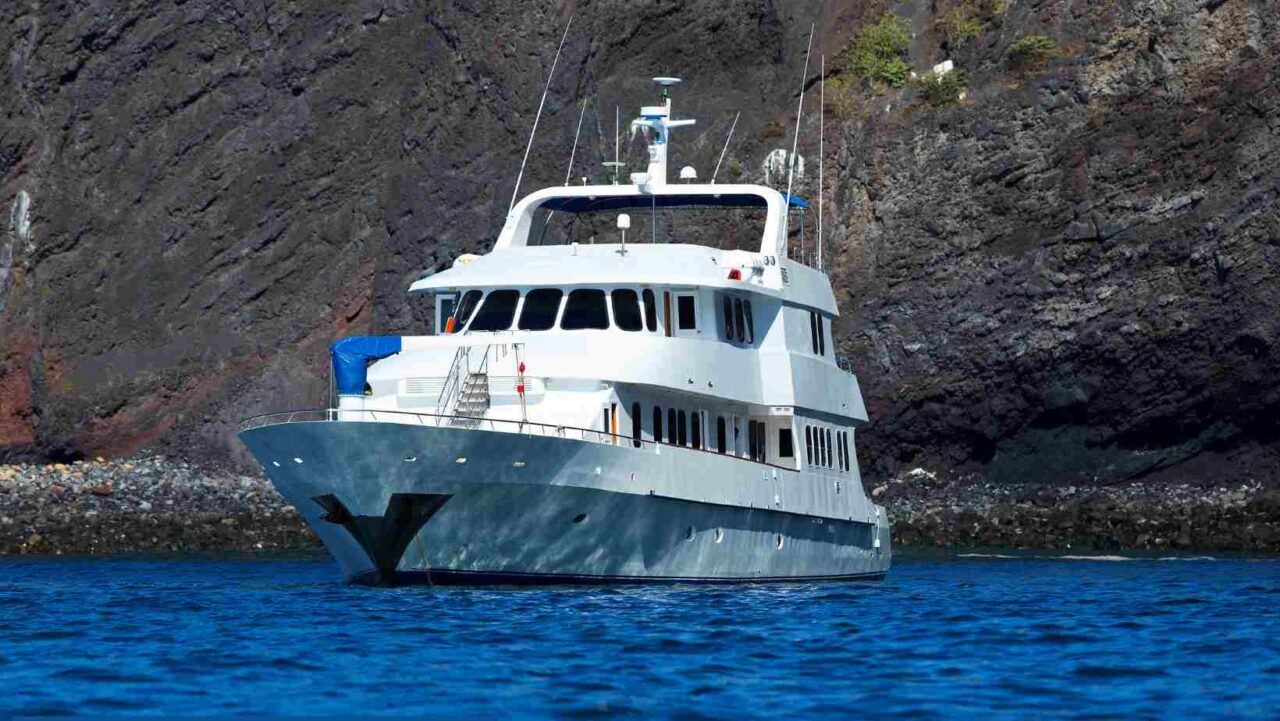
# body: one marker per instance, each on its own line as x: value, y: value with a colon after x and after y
x: 421, y: 386
x: 786, y: 277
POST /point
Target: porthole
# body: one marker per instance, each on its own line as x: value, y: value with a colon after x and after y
x: 297, y: 460
x: 719, y: 535
x: 688, y: 533
x: 781, y: 541
x: 580, y: 518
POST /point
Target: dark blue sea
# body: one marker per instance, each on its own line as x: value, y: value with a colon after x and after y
x: 995, y: 638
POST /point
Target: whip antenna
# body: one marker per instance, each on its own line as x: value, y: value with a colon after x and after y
x: 569, y: 171
x: 725, y: 149
x: 515, y: 193
x: 795, y: 137
x: 822, y: 108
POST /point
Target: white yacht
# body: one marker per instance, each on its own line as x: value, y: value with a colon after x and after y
x: 617, y: 392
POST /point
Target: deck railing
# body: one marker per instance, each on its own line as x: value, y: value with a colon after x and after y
x: 501, y: 425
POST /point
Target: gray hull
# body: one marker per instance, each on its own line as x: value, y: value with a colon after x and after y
x: 397, y: 503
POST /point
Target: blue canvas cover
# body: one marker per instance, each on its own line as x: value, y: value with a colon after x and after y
x: 351, y: 358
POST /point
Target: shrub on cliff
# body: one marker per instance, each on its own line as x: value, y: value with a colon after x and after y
x: 1032, y: 52
x: 879, y: 53
x: 942, y: 88
x: 959, y: 23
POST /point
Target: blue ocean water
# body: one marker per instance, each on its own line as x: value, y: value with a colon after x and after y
x: 996, y: 638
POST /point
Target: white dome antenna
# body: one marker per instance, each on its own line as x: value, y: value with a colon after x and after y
x: 687, y: 173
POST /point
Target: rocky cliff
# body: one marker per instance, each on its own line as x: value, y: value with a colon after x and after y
x: 1069, y: 273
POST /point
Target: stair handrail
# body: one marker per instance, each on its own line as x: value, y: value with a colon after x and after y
x: 453, y: 381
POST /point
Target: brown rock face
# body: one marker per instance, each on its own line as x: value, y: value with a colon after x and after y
x: 1071, y: 273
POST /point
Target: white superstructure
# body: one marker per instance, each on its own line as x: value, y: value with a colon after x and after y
x: 589, y: 409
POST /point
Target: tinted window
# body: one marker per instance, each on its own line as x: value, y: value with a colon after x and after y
x: 720, y: 434
x: 808, y: 445
x: 728, y: 318
x: 626, y: 309
x: 682, y: 429
x: 650, y: 310
x: 465, y: 308
x: 685, y: 312
x: 813, y: 330
x: 447, y: 305
x: 786, y: 448
x: 585, y: 309
x: 497, y: 311
x: 657, y: 424
x: 671, y: 425
x: 540, y: 308
x: 695, y: 429
x: 635, y: 424
x: 751, y: 324
x: 737, y: 319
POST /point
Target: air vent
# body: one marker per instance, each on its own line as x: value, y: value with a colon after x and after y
x: 786, y: 277
x: 421, y: 386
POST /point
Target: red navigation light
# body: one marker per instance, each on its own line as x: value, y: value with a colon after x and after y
x: 735, y: 274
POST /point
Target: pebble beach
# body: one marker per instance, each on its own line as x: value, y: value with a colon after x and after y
x: 150, y: 503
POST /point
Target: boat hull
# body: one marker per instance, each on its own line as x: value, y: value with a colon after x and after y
x: 396, y: 503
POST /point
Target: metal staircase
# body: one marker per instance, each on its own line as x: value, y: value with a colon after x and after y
x: 473, y: 400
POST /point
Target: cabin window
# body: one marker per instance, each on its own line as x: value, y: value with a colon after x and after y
x: 584, y: 310
x: 671, y: 426
x: 822, y: 337
x: 826, y: 447
x: 682, y: 427
x: 605, y: 421
x: 626, y: 309
x: 739, y: 324
x: 762, y: 442
x: 808, y: 444
x: 650, y: 310
x: 657, y: 424
x: 722, y: 436
x: 686, y: 312
x: 465, y: 308
x: 751, y: 324
x: 728, y: 318
x: 813, y: 331
x: 786, y: 447
x: 497, y: 311
x: 695, y: 429
x: 540, y: 308
x: 635, y: 425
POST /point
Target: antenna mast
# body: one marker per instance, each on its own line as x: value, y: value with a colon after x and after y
x: 515, y: 193
x: 725, y: 149
x: 795, y: 138
x: 822, y: 108
x: 615, y: 166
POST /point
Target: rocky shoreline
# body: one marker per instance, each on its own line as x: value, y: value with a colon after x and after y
x: 154, y: 504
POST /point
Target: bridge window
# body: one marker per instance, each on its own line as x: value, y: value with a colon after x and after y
x: 650, y: 310
x: 728, y: 318
x: 465, y: 308
x: 497, y: 311
x: 813, y: 331
x: 626, y: 309
x: 808, y: 445
x: 751, y: 325
x: 682, y: 426
x: 585, y: 309
x: 540, y: 309
x: 722, y: 437
x: 695, y: 428
x: 671, y: 426
x: 657, y: 424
